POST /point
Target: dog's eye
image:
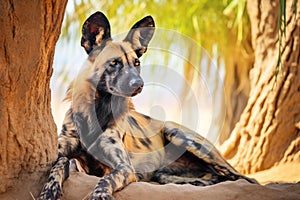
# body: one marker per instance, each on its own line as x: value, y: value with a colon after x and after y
x: 137, y: 63
x: 113, y: 62
x: 113, y: 65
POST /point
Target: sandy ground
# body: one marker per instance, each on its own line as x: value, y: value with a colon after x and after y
x: 286, y: 187
x: 287, y: 173
x: 79, y: 186
x: 281, y: 182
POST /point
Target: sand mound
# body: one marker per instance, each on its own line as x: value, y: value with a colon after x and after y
x: 79, y: 185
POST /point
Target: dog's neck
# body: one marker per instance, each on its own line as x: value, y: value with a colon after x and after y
x: 110, y: 108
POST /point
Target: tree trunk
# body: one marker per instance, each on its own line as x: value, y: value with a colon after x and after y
x: 268, y: 132
x: 28, y: 138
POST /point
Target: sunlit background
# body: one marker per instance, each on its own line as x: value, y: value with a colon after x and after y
x: 185, y: 67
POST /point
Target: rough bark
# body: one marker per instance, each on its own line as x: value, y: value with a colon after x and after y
x: 268, y: 132
x: 28, y: 138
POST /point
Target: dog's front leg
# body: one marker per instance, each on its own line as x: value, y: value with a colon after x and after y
x: 109, y: 149
x: 121, y: 176
x: 68, y: 143
x: 52, y: 190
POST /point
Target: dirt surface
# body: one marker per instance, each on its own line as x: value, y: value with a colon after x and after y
x: 79, y: 186
x: 282, y: 183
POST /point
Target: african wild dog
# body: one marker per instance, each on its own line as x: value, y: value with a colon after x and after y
x: 109, y: 139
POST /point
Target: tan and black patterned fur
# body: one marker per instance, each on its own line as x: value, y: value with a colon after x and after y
x: 109, y: 139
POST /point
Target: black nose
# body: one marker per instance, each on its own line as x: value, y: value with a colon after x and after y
x: 136, y: 83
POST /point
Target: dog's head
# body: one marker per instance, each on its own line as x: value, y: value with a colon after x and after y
x: 116, y: 65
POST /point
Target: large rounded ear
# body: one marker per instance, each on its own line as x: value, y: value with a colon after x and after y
x: 95, y: 30
x: 140, y: 35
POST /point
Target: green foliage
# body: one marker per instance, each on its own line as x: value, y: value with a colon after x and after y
x: 282, y: 31
x: 237, y: 7
x: 204, y: 20
x: 219, y: 27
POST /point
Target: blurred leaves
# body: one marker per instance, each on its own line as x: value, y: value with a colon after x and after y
x: 209, y: 22
x: 237, y: 7
x: 222, y: 28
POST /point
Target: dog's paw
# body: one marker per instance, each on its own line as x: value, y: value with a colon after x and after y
x: 50, y: 191
x: 101, y: 194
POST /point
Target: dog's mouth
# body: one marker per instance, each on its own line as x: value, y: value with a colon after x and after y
x: 137, y: 91
x: 125, y: 94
